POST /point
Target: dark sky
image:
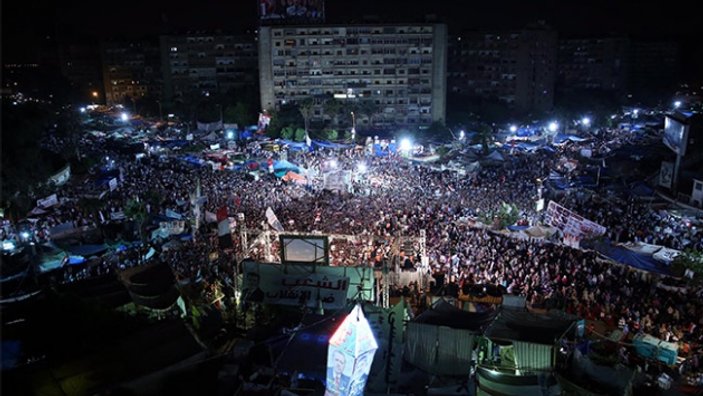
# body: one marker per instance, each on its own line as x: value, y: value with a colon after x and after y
x: 25, y: 23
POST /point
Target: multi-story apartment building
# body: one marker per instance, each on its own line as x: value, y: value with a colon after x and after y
x: 593, y: 64
x: 80, y: 65
x: 654, y: 67
x: 202, y: 63
x: 131, y: 70
x: 400, y: 68
x: 515, y: 67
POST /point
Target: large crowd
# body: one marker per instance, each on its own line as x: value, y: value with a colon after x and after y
x: 395, y: 198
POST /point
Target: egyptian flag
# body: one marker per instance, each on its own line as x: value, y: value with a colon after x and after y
x: 223, y: 228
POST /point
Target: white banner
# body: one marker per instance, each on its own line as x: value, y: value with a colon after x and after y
x: 62, y: 176
x: 573, y: 226
x: 273, y: 220
x: 215, y: 146
x: 48, y: 202
x: 117, y: 215
x: 172, y: 214
x: 666, y: 174
x: 113, y: 184
x: 210, y: 217
x: 173, y: 227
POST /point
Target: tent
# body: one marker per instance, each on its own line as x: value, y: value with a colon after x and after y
x: 284, y: 165
x: 294, y: 177
x: 441, y: 339
x: 561, y: 138
x: 495, y: 156
x: 623, y: 255
x: 295, y: 146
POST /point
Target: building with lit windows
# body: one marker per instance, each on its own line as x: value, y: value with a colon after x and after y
x: 131, y: 70
x: 515, y: 67
x: 399, y: 69
x: 593, y: 64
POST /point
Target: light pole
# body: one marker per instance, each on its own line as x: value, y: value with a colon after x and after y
x: 353, y: 130
x: 161, y: 117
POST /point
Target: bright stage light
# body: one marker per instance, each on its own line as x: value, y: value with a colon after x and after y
x: 405, y: 144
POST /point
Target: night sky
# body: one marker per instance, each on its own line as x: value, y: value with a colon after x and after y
x: 25, y: 23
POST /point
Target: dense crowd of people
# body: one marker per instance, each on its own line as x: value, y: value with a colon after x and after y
x: 391, y: 198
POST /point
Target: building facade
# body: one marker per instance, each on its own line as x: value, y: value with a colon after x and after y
x: 400, y: 70
x: 593, y: 64
x: 131, y: 70
x: 654, y: 68
x: 80, y: 65
x: 201, y: 64
x: 516, y: 67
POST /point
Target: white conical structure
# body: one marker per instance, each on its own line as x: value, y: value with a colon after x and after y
x: 349, y: 355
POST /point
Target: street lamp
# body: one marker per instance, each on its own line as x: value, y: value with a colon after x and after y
x: 677, y: 104
x: 353, y: 130
x: 95, y: 94
x: 124, y: 117
x: 513, y: 128
x: 585, y: 121
x: 553, y: 126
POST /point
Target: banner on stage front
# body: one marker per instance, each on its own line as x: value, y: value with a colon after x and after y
x: 293, y: 284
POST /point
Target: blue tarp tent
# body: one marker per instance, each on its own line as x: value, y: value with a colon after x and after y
x: 285, y: 166
x: 330, y: 145
x: 633, y: 259
x: 87, y: 250
x: 641, y: 189
x: 296, y: 146
x: 562, y: 138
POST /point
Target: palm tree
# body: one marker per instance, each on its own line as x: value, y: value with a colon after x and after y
x: 331, y: 108
x: 136, y: 210
x: 306, y: 108
x: 369, y: 108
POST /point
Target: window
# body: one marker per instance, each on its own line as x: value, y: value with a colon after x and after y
x: 174, y: 49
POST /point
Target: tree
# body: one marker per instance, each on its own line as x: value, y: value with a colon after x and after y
x: 286, y: 115
x: 287, y: 133
x: 306, y: 109
x: 369, y: 109
x: 238, y: 114
x: 439, y: 131
x: 689, y: 259
x: 483, y: 136
x: 331, y: 134
x: 331, y: 108
x: 300, y: 135
x: 136, y: 210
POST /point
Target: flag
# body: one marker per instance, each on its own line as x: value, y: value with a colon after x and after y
x: 273, y: 220
x: 223, y: 231
x: 210, y: 217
